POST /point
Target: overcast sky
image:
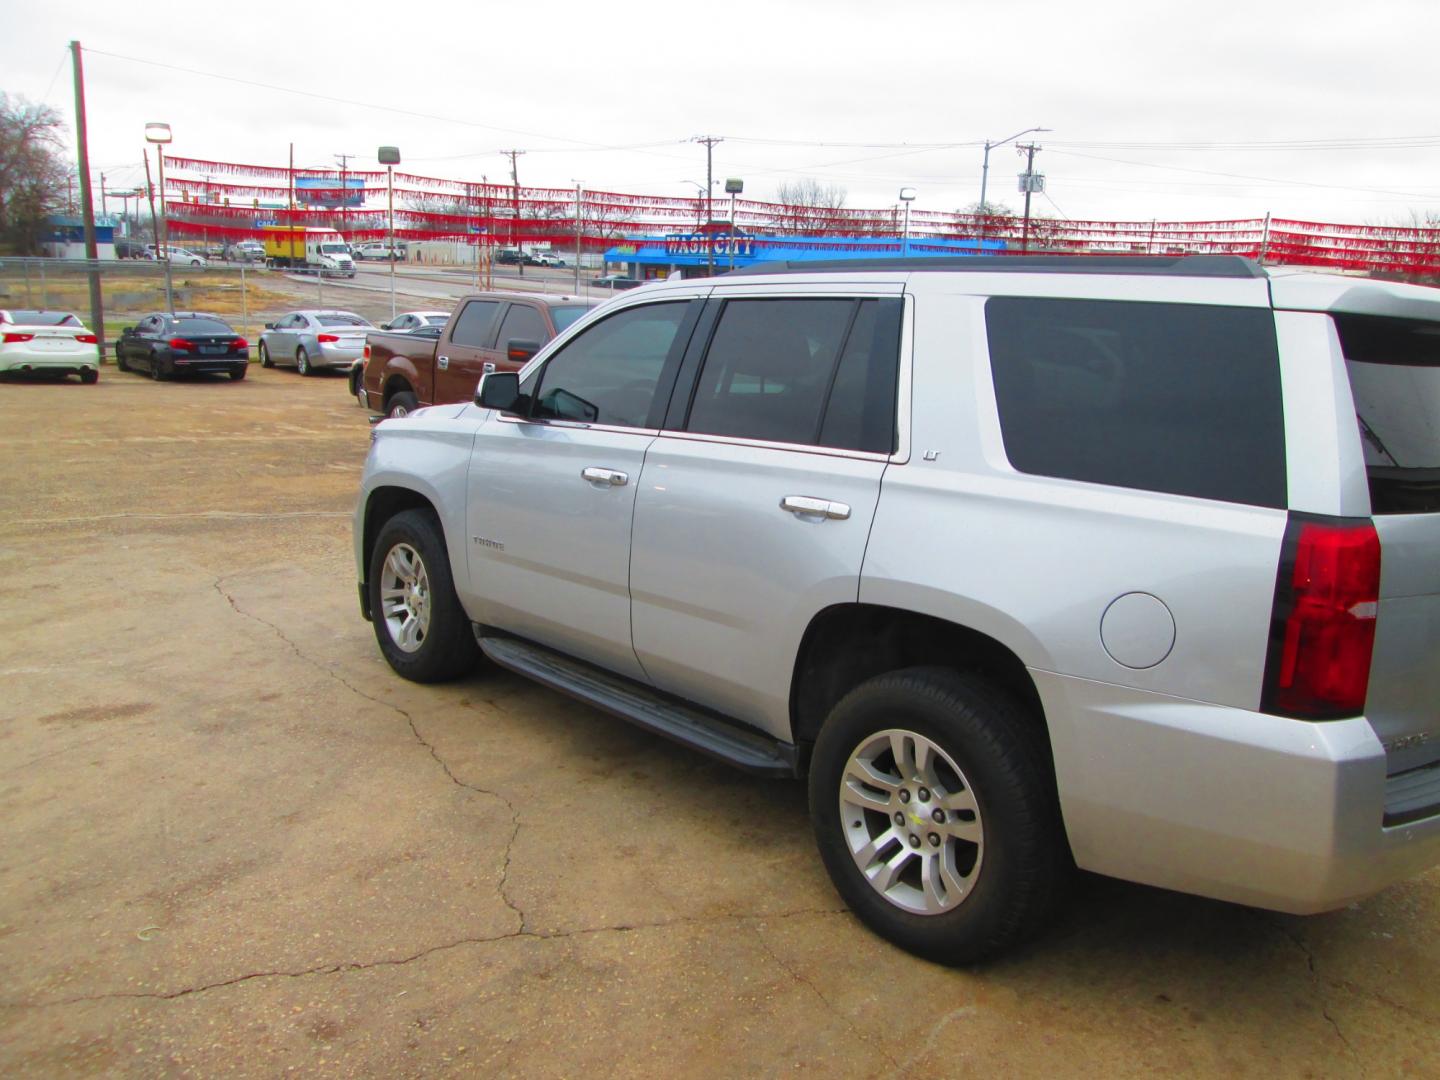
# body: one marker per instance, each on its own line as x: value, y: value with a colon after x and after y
x: 1317, y: 110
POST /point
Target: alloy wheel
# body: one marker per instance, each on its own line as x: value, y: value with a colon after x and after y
x: 911, y: 822
x: 405, y: 597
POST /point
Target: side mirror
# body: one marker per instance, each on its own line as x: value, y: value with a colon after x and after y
x: 517, y: 352
x: 498, y: 390
x: 269, y: 326
x: 384, y: 326
x: 127, y: 331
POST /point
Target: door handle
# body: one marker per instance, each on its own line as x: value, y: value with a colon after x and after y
x: 443, y: 363
x: 804, y: 504
x: 605, y: 476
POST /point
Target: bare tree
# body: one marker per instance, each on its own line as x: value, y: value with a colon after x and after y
x: 808, y: 206
x: 33, y: 171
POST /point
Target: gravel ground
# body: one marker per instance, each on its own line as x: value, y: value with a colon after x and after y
x: 234, y: 842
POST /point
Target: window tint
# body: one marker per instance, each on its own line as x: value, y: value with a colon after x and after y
x: 201, y: 326
x: 609, y: 373
x: 1394, y: 369
x: 565, y: 314
x: 341, y: 320
x: 523, y: 323
x: 860, y: 414
x: 769, y: 368
x: 473, y: 326
x: 436, y: 320
x: 1180, y: 398
x: 44, y: 318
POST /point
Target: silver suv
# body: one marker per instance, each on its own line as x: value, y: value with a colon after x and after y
x: 1026, y: 563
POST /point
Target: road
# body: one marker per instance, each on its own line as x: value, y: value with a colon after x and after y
x: 235, y: 843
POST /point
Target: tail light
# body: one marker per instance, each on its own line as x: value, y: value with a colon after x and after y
x: 1322, y: 636
x: 240, y: 344
x: 366, y: 352
x: 16, y: 338
x: 87, y: 339
x: 180, y: 344
x: 326, y: 339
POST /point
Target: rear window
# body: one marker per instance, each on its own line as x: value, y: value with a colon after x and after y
x: 201, y: 326
x: 436, y: 320
x: 1176, y: 398
x: 44, y: 318
x: 565, y: 314
x: 341, y: 320
x: 1394, y: 369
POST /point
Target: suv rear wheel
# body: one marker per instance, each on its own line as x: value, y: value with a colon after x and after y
x: 422, y: 630
x: 935, y: 814
x: 401, y: 404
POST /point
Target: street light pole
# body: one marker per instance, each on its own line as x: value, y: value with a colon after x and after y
x: 159, y: 134
x: 578, y: 238
x: 907, y: 196
x: 985, y: 173
x: 389, y: 156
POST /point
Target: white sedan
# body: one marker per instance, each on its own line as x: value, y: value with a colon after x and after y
x: 48, y: 342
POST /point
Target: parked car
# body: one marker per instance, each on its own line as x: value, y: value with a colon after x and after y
x: 130, y: 249
x: 380, y: 250
x: 1125, y: 561
x: 186, y: 343
x: 178, y: 256
x: 495, y: 331
x: 48, y: 342
x: 615, y: 282
x: 546, y: 258
x: 312, y: 340
x: 510, y: 256
x: 415, y: 320
x: 245, y: 251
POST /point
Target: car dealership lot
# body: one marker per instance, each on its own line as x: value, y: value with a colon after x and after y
x: 236, y: 842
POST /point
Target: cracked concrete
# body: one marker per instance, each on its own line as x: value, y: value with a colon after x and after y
x: 236, y: 843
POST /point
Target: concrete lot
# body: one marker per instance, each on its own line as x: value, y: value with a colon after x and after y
x: 234, y: 842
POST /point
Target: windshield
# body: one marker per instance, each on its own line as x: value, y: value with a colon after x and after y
x: 565, y: 314
x: 44, y: 318
x: 200, y: 326
x: 335, y: 249
x: 341, y: 320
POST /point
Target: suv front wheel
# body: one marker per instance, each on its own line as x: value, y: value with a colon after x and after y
x: 935, y: 813
x: 422, y: 630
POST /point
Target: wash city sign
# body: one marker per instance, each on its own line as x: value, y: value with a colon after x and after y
x: 700, y: 243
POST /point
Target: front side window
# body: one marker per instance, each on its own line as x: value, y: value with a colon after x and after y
x: 609, y: 373
x: 473, y: 327
x: 1177, y: 398
x: 522, y: 323
x: 805, y: 371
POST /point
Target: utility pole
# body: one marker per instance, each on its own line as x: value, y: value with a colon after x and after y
x: 577, y: 238
x: 92, y: 252
x: 709, y: 141
x: 344, y: 160
x: 515, y: 187
x: 1029, y: 152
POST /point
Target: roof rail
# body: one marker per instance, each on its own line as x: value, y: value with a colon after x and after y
x: 1223, y: 266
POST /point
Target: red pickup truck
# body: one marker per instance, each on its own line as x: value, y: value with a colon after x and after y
x: 491, y: 331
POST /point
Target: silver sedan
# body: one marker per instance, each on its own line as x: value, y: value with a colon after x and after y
x: 311, y: 340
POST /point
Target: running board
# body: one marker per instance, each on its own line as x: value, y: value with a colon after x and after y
x: 648, y: 708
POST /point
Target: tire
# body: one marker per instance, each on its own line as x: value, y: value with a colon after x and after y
x: 265, y: 360
x: 155, y: 370
x: 998, y: 833
x: 236, y: 374
x: 426, y: 635
x: 120, y: 364
x: 401, y: 404
x: 302, y: 362
x: 90, y: 377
